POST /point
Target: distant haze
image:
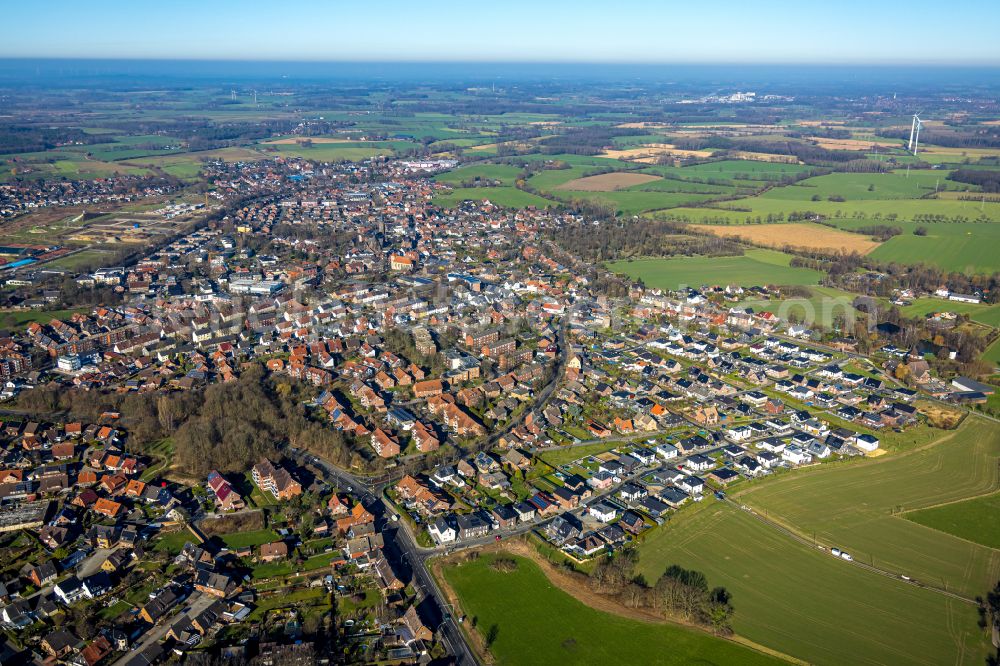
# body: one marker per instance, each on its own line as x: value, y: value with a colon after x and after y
x: 961, y: 32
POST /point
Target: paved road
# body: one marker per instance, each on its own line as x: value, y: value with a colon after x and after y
x: 402, y: 550
x: 197, y: 602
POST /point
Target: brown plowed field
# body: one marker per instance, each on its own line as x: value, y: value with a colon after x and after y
x: 607, y: 182
x: 794, y: 234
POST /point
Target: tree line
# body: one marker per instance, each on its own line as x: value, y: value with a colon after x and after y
x: 678, y: 593
x: 640, y: 238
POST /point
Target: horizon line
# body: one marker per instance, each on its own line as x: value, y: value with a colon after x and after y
x: 491, y: 61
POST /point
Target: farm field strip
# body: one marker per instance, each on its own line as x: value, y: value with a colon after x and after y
x: 976, y: 519
x: 803, y: 602
x: 755, y: 267
x: 795, y: 234
x: 854, y: 505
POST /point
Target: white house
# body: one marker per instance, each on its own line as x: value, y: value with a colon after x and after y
x: 772, y: 444
x: 666, y: 451
x: 963, y: 298
x: 739, y: 433
x: 70, y: 590
x: 801, y: 393
x: 603, y: 512
x: 768, y: 459
x: 699, y: 463
x: 867, y: 442
x: 692, y: 485
x: 441, y: 531
x: 795, y: 455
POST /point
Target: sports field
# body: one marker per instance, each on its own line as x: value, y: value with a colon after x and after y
x: 976, y: 519
x: 536, y: 623
x: 804, y: 602
x: 853, y: 506
x: 756, y: 267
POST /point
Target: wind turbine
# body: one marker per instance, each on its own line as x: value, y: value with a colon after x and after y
x: 915, y: 133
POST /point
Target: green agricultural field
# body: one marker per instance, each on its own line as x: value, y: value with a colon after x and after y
x: 992, y: 353
x: 976, y: 519
x: 633, y: 202
x: 756, y: 267
x: 550, y: 179
x: 83, y: 169
x: 868, y: 211
x: 967, y: 245
x: 537, y: 623
x: 803, y: 602
x: 187, y: 165
x: 501, y: 172
x: 732, y: 170
x: 967, y: 248
x: 868, y: 186
x: 336, y: 152
x: 510, y: 197
x: 690, y: 187
x: 984, y: 314
x: 853, y: 506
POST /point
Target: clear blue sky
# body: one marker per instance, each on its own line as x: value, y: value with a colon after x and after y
x: 765, y: 31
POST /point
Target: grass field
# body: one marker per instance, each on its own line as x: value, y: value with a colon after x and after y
x: 732, y: 170
x: 867, y: 210
x: 992, y: 353
x: 853, y: 505
x: 537, y: 623
x: 17, y: 319
x: 335, y: 152
x: 868, y: 186
x: 984, y: 314
x: 967, y: 248
x: 756, y: 267
x: 510, y: 197
x: 633, y: 202
x: 562, y: 456
x: 966, y: 243
x: 249, y: 539
x: 823, y: 306
x: 976, y: 519
x: 501, y: 172
x: 803, y: 602
x: 173, y: 542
